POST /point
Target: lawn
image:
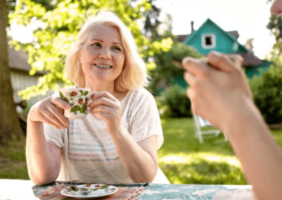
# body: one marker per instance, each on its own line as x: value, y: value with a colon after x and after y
x: 185, y: 161
x: 182, y: 158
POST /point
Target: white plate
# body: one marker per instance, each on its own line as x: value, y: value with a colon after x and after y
x: 98, y: 193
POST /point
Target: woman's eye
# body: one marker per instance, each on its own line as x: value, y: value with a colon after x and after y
x: 97, y: 44
x: 116, y: 48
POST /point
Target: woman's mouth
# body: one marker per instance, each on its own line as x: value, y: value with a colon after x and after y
x: 103, y: 66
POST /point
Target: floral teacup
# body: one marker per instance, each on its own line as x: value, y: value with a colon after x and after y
x: 78, y: 99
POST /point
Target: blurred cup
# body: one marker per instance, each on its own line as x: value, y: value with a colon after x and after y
x: 78, y: 99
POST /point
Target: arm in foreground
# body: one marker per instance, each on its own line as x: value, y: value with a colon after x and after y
x: 232, y: 110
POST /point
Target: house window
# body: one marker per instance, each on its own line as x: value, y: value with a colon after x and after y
x: 208, y: 41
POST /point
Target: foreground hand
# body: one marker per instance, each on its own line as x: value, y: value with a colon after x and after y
x: 219, y: 93
x: 106, y: 107
x: 50, y: 111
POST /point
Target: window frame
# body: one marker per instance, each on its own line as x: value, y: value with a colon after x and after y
x: 213, y: 40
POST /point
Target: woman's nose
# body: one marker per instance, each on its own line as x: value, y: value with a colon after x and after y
x: 105, y: 53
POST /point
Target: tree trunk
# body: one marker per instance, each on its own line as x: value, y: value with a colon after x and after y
x: 9, y: 123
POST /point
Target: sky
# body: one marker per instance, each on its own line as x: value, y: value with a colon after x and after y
x: 248, y: 17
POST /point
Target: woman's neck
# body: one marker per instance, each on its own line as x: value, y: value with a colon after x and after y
x: 99, y: 87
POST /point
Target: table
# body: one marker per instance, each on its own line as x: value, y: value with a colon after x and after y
x: 21, y: 190
x: 195, y: 192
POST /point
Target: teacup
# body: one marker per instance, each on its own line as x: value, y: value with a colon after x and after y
x: 78, y: 99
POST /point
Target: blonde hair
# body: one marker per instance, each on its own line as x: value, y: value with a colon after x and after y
x: 133, y: 74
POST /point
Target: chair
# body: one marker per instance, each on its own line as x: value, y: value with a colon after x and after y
x: 199, y: 124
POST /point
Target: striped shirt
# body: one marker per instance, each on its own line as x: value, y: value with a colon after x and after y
x: 87, y: 151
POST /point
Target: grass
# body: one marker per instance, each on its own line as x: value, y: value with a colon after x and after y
x: 185, y: 161
x: 182, y: 158
x: 13, y: 161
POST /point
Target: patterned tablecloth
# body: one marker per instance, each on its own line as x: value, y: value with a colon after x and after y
x: 197, y: 192
x: 25, y: 190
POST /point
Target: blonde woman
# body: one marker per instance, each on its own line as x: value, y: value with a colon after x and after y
x: 118, y: 141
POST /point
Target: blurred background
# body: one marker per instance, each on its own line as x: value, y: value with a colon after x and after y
x: 40, y: 32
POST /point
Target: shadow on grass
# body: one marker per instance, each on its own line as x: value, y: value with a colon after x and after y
x: 200, y: 171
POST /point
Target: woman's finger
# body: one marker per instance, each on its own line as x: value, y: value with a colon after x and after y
x: 105, y: 94
x: 60, y: 117
x: 47, y: 114
x: 49, y: 122
x: 195, y: 67
x: 224, y: 62
x: 101, y: 115
x: 189, y: 78
x: 102, y: 108
x: 60, y: 103
x: 102, y: 101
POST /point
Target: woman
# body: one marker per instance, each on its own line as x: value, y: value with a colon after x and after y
x: 118, y: 141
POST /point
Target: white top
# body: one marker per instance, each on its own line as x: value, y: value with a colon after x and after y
x: 88, y: 152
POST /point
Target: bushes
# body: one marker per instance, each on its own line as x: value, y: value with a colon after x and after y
x: 174, y: 102
x: 267, y: 92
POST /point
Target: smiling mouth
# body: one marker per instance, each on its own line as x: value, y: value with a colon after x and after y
x: 103, y: 66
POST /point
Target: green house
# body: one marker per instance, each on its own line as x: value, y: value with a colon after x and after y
x: 210, y: 37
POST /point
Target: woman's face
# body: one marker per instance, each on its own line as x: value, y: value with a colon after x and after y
x: 103, y: 56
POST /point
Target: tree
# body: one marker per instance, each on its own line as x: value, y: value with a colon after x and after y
x: 275, y: 26
x: 169, y: 65
x: 9, y: 124
x: 59, y: 26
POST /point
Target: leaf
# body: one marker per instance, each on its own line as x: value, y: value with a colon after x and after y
x: 81, y: 92
x: 61, y: 95
x: 83, y: 108
x: 74, y: 188
x: 85, y: 93
x: 65, y: 99
x: 104, y: 187
x: 75, y: 108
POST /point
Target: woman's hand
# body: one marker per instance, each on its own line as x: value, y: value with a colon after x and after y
x: 219, y: 94
x: 50, y: 111
x: 106, y: 107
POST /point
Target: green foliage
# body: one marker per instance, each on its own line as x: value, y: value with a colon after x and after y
x: 174, y: 102
x: 58, y: 26
x: 267, y: 92
x: 169, y: 65
x: 275, y: 26
x: 185, y: 161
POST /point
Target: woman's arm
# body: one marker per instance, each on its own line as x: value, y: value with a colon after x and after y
x: 138, y: 159
x: 43, y: 158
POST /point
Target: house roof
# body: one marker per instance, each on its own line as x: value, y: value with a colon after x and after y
x: 18, y: 60
x: 181, y: 38
x: 228, y: 35
x: 250, y: 59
